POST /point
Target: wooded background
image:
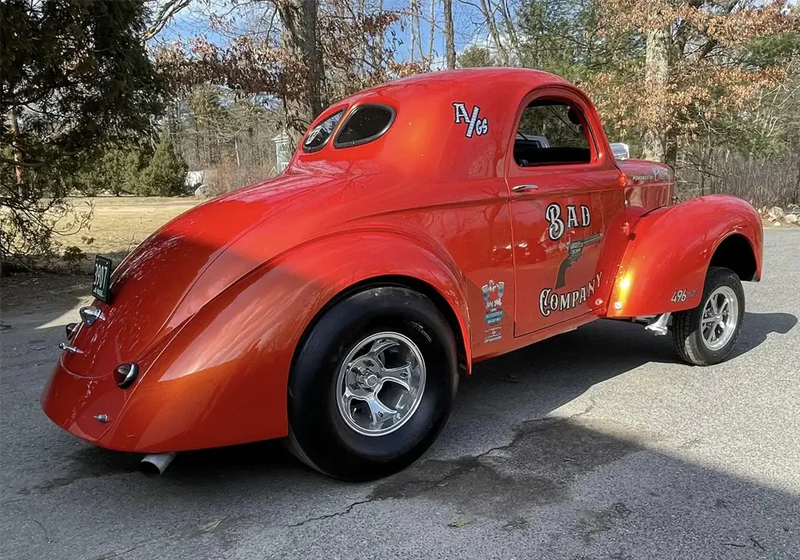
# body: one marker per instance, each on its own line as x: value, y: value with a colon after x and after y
x: 125, y: 96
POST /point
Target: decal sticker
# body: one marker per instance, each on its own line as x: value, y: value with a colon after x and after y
x: 475, y: 124
x: 493, y: 306
x: 682, y: 295
x: 493, y: 301
x: 661, y: 174
x: 658, y: 174
x: 493, y: 334
x: 554, y: 216
x: 574, y: 253
x: 551, y: 301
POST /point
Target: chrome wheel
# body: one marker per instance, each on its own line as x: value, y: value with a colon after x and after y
x: 720, y: 318
x: 380, y: 383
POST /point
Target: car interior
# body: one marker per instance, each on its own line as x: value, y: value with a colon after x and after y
x: 551, y: 132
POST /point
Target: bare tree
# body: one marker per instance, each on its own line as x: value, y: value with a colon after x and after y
x: 450, y: 44
x: 299, y: 19
x: 488, y: 11
x: 164, y: 12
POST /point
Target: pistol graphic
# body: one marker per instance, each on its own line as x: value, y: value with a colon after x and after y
x: 574, y: 252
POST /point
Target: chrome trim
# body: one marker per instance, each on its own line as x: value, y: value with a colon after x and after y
x: 90, y: 314
x: 71, y: 329
x: 659, y: 327
x: 355, y: 110
x: 523, y: 188
x: 129, y: 376
x: 720, y: 318
x: 71, y: 349
x: 154, y: 465
x: 380, y: 384
x: 102, y: 418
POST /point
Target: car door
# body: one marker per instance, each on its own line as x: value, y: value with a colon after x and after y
x: 563, y: 190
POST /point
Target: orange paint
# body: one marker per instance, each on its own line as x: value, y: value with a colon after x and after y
x: 213, y: 306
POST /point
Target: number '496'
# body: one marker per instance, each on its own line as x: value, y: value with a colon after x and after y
x: 680, y: 296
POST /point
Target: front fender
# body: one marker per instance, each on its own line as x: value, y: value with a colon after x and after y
x: 670, y: 250
x: 222, y: 380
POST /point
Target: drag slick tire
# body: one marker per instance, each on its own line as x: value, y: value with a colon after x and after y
x: 706, y: 334
x: 372, y: 384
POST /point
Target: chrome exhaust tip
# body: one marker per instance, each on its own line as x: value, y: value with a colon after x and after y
x: 154, y: 465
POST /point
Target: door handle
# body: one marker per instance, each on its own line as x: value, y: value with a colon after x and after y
x: 523, y: 188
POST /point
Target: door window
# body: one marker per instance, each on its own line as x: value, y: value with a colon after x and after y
x: 552, y: 132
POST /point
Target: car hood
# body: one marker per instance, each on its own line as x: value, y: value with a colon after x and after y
x: 196, y: 256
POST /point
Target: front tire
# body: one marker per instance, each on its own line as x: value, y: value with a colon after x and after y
x: 707, y: 334
x: 372, y: 384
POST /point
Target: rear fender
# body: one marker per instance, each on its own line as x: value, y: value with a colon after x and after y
x: 665, y: 263
x: 223, y: 379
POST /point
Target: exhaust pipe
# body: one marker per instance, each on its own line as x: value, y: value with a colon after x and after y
x: 154, y: 465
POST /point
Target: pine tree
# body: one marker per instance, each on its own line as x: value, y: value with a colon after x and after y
x: 74, y: 78
x: 166, y: 173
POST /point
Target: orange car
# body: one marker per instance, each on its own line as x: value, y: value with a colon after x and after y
x: 421, y: 226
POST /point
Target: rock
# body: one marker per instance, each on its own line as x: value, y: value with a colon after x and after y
x: 775, y: 213
x: 776, y: 223
x: 791, y: 218
x: 202, y: 191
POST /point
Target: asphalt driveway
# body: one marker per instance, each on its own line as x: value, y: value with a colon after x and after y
x: 595, y: 444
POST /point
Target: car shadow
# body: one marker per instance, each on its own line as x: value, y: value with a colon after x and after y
x: 503, y: 458
x: 503, y: 392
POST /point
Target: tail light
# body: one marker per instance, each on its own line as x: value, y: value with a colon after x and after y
x: 125, y: 374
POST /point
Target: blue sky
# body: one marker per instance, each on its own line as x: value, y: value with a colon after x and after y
x: 468, y: 23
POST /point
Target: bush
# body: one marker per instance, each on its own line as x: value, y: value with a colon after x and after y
x: 228, y: 176
x: 115, y: 170
x: 165, y: 175
x: 73, y: 257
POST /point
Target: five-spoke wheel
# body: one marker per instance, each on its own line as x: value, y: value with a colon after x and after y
x: 706, y: 334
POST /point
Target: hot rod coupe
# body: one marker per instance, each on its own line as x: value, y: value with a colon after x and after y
x: 420, y: 227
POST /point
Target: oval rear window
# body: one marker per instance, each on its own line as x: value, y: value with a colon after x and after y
x: 319, y: 135
x: 365, y: 124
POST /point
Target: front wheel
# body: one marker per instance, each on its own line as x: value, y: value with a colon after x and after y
x: 706, y: 334
x: 372, y: 385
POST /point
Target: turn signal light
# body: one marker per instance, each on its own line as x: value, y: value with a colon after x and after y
x: 125, y: 374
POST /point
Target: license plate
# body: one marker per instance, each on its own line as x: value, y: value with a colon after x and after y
x: 101, y: 287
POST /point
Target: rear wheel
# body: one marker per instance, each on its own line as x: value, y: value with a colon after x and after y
x: 372, y: 385
x: 706, y: 334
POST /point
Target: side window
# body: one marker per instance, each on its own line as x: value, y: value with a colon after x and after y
x: 365, y: 124
x: 319, y: 135
x: 551, y: 132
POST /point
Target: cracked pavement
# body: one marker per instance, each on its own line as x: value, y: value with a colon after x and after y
x: 594, y: 444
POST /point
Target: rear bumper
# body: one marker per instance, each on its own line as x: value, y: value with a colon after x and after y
x: 75, y: 403
x: 180, y: 414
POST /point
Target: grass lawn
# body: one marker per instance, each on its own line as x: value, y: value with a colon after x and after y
x: 120, y: 223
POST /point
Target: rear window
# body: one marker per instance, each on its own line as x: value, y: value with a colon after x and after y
x: 319, y: 135
x: 365, y: 124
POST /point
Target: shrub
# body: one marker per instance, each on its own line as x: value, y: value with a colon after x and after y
x: 165, y: 175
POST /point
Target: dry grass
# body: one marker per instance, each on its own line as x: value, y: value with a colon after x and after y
x: 120, y: 223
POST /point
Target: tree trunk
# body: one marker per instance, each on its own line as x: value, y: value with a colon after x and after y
x: 20, y: 173
x: 433, y: 33
x: 449, y: 38
x: 656, y: 77
x: 488, y: 14
x: 299, y: 18
x: 797, y: 185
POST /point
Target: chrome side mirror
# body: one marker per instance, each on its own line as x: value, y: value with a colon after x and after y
x: 620, y: 151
